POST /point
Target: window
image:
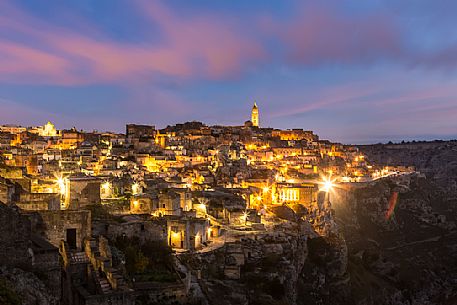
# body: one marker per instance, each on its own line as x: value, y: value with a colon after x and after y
x: 71, y: 238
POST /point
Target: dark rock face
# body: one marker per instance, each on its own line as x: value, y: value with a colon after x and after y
x: 14, y: 237
x: 27, y: 287
x: 275, y: 268
x: 21, y: 262
x: 324, y: 278
x: 401, y: 231
x: 437, y: 160
x: 395, y: 244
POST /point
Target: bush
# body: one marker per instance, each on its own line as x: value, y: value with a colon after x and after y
x: 149, y: 261
x: 7, y: 295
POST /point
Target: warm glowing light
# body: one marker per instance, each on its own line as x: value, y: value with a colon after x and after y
x: 135, y: 188
x: 245, y: 216
x: 327, y: 185
x: 135, y: 203
x: 61, y: 184
x: 106, y: 186
x: 266, y: 189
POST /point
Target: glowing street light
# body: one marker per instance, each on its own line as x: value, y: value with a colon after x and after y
x: 327, y: 185
x: 245, y: 217
x: 135, y: 188
x: 106, y: 186
x: 61, y: 184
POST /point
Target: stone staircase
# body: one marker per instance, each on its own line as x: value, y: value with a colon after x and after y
x: 108, y: 279
x: 103, y: 282
x: 119, y: 279
x: 78, y: 257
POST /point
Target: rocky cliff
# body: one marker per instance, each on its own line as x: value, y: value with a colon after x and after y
x: 396, y: 243
x: 22, y: 287
x: 286, y: 266
x: 401, y: 231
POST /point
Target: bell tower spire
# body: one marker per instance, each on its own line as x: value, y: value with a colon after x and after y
x: 255, y: 115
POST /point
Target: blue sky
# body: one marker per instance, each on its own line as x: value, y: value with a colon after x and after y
x: 353, y: 71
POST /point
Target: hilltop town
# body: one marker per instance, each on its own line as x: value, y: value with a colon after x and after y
x: 185, y: 214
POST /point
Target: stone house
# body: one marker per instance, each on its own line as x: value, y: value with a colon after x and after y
x: 68, y: 225
x: 39, y: 201
x: 187, y: 233
x: 82, y: 191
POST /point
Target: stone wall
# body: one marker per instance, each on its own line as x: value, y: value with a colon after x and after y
x: 143, y: 229
x: 6, y: 192
x: 46, y: 264
x: 25, y: 197
x: 39, y: 201
x: 14, y: 237
x: 53, y: 225
x: 83, y: 192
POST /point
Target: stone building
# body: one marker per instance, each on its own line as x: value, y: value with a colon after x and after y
x: 89, y: 277
x: 144, y: 204
x: 14, y: 237
x: 28, y: 161
x: 81, y: 191
x: 145, y: 229
x: 21, y: 248
x: 169, y: 203
x: 255, y: 115
x: 295, y: 135
x: 39, y: 201
x: 7, y: 191
x: 68, y: 225
x: 70, y: 139
x: 187, y: 233
x: 135, y: 131
x: 297, y: 193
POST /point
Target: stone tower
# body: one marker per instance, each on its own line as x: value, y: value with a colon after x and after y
x: 255, y: 115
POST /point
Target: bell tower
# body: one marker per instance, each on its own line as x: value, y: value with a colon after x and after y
x: 255, y: 115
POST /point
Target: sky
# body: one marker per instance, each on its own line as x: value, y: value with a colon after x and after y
x: 353, y: 71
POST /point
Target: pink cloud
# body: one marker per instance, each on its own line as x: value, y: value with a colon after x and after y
x: 208, y: 46
x: 30, y: 115
x: 320, y: 35
x: 17, y: 58
x: 206, y: 39
x: 200, y: 47
x: 445, y: 59
x: 330, y: 97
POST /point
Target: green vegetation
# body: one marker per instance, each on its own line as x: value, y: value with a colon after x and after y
x: 259, y: 284
x: 98, y: 211
x: 147, y: 261
x: 270, y: 262
x: 7, y: 295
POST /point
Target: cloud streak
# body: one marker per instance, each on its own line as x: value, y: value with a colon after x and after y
x: 320, y: 35
x: 203, y: 47
x: 365, y: 68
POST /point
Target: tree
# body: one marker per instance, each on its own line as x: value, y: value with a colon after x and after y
x: 141, y: 262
